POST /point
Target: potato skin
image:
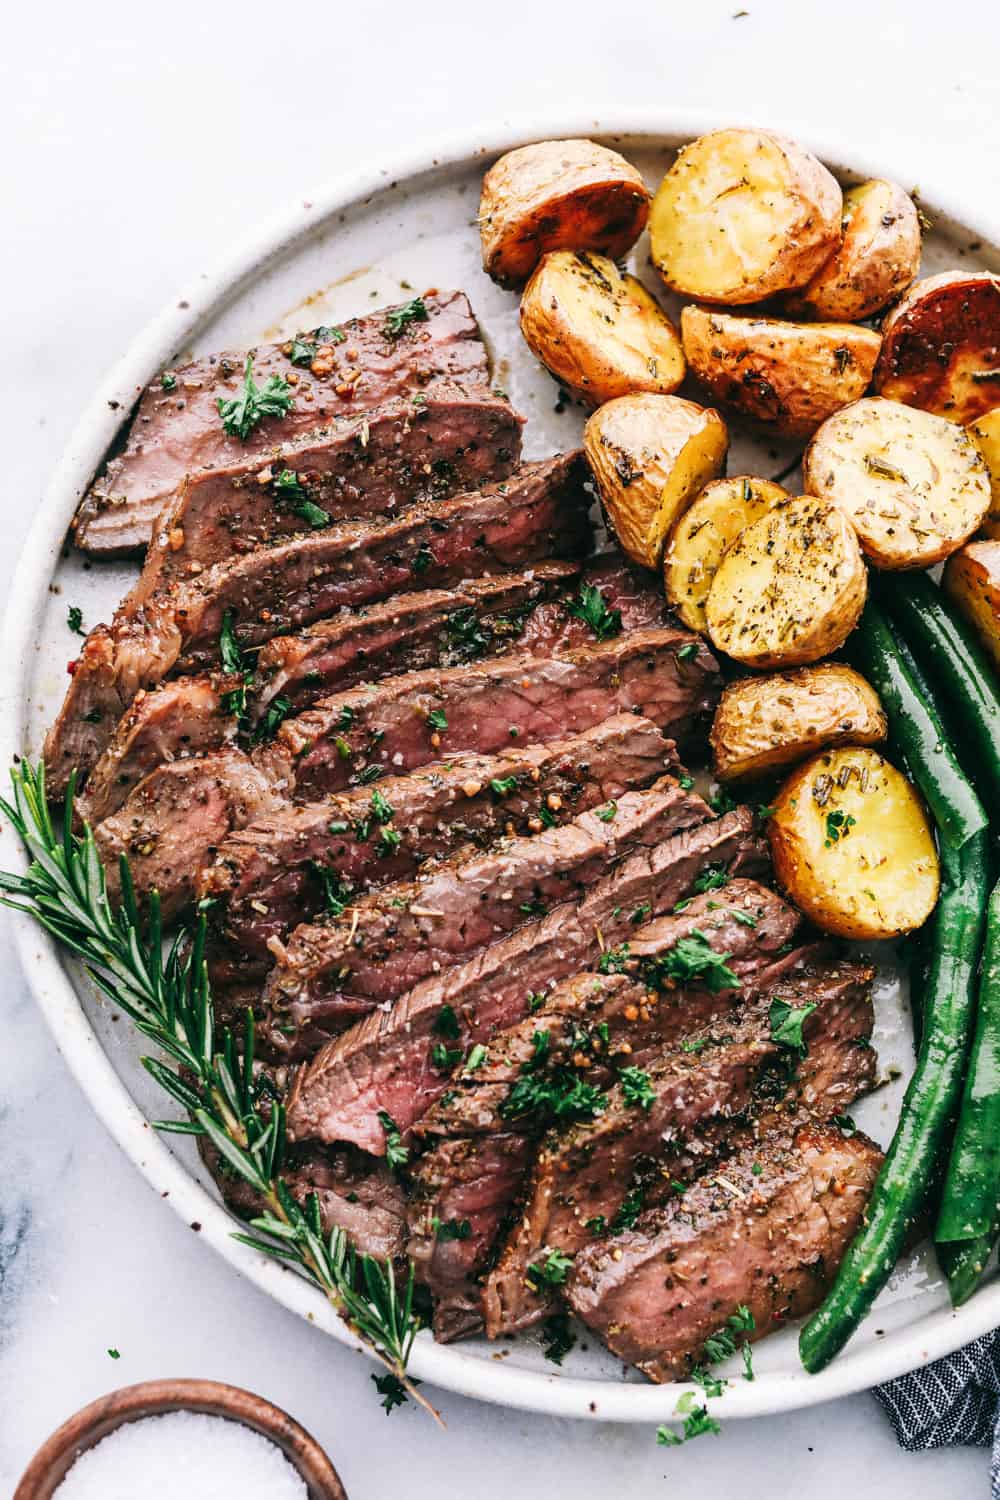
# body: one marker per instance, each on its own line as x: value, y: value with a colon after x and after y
x: 764, y: 723
x: 877, y: 259
x: 558, y: 195
x: 972, y: 579
x: 939, y: 342
x: 743, y: 214
x: 913, y: 485
x: 875, y: 877
x: 651, y: 455
x: 985, y: 433
x: 790, y: 589
x: 787, y: 376
x: 598, y: 332
x: 696, y: 544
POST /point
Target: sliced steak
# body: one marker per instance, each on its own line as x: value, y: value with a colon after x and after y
x: 539, y: 513
x: 593, y: 1177
x: 404, y: 722
x: 768, y: 1235
x: 173, y: 821
x: 391, y: 939
x: 355, y: 1194
x: 385, y: 1063
x: 266, y: 875
x: 370, y: 465
x: 463, y: 1192
x: 177, y: 431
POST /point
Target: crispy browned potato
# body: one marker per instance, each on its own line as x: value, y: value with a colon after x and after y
x: 695, y: 547
x: 985, y: 432
x: 790, y: 588
x: 790, y: 376
x: 852, y: 846
x: 913, y: 485
x: 650, y: 456
x: 972, y: 578
x: 600, y: 333
x: 876, y: 260
x: 764, y: 723
x: 743, y: 214
x: 558, y: 195
x: 941, y: 346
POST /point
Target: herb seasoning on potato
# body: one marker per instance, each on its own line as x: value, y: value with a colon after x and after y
x: 941, y: 346
x: 985, y: 432
x: 876, y: 260
x: 693, y: 553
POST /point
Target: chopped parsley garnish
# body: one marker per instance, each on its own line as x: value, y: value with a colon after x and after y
x: 685, y: 652
x: 390, y: 1388
x: 590, y: 607
x: 396, y: 1154
x: 631, y: 1207
x: 608, y: 812
x: 838, y: 826
x: 336, y: 892
x: 787, y: 1023
x: 74, y: 619
x: 552, y: 1271
x: 640, y: 914
x: 712, y: 878
x: 234, y: 701
x: 694, y: 1044
x: 546, y: 817
x: 637, y: 1088
x: 697, y: 1422
x: 614, y: 960
x: 398, y: 319
x: 114, y: 1354
x: 241, y: 414
x: 451, y: 1229
x: 423, y: 559
x: 465, y: 633
x: 302, y: 352
x: 368, y: 775
x: 559, y: 1339
x: 722, y: 1344
x: 744, y: 918
x: 476, y: 1058
x: 168, y: 382
x: 535, y: 1002
x: 721, y: 802
x: 712, y: 1385
x: 276, y: 713
x: 445, y: 1058
x: 389, y: 841
x: 845, y: 1124
x: 346, y: 717
x: 597, y: 1225
x: 289, y: 488
x: 693, y: 958
x: 685, y: 782
x: 382, y: 811
x: 437, y: 720
x: 533, y: 908
x: 502, y: 786
x: 446, y: 1022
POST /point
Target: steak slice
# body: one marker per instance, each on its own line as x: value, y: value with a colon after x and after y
x: 355, y: 1193
x: 462, y: 1193
x: 385, y: 1063
x: 373, y: 464
x: 177, y: 431
x: 593, y: 1021
x: 174, y: 820
x: 266, y: 874
x: 540, y: 512
x: 404, y: 722
x: 769, y: 1236
x: 594, y: 1176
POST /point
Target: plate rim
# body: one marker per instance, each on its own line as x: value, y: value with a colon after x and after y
x: 46, y: 972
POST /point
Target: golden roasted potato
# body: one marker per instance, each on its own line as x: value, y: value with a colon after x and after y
x: 650, y: 456
x: 695, y: 546
x: 790, y: 376
x: 913, y: 485
x: 600, y: 333
x: 790, y: 588
x: 941, y: 346
x: 972, y: 578
x: 852, y: 846
x: 877, y: 259
x: 763, y: 723
x: 743, y: 214
x: 558, y: 195
x: 986, y: 434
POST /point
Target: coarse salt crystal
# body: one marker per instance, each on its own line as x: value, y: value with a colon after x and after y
x: 183, y: 1453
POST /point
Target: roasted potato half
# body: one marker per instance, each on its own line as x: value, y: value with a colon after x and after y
x: 941, y: 346
x: 852, y: 846
x: 600, y: 333
x: 558, y: 195
x: 986, y: 434
x: 650, y: 456
x: 743, y: 214
x: 764, y: 723
x: 789, y: 376
x: 695, y: 547
x: 877, y: 259
x: 913, y: 485
x: 790, y: 588
x: 972, y: 578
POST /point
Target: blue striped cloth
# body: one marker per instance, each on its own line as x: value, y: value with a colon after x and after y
x: 954, y: 1401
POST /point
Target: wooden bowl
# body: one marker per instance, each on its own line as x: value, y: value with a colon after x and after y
x: 152, y: 1398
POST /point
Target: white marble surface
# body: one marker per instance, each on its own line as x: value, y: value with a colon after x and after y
x: 139, y: 141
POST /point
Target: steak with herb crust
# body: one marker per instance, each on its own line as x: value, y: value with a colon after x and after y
x: 403, y: 722
x: 767, y: 1234
x: 384, y: 1064
x: 337, y: 371
x: 539, y: 513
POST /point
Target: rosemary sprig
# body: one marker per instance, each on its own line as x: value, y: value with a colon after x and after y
x: 166, y: 993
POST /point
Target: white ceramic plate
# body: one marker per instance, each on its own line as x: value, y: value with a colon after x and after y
x: 358, y: 244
